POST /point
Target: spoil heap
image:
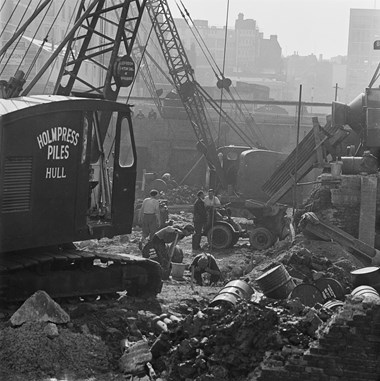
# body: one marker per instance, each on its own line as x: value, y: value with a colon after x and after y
x: 32, y: 351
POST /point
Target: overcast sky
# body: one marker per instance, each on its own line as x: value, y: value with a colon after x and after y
x: 303, y: 26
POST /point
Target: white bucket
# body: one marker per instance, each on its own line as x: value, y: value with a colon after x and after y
x: 336, y: 168
x: 177, y: 270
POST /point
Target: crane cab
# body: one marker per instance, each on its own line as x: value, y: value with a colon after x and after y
x: 67, y: 171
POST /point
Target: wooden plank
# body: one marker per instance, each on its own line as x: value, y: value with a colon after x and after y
x: 367, y: 221
x: 319, y: 150
x: 288, y: 185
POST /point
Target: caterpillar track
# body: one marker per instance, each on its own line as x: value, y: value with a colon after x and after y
x: 73, y: 274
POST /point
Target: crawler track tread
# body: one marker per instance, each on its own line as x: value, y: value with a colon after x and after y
x: 76, y: 273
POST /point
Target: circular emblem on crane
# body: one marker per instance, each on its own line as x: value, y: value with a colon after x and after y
x: 124, y: 71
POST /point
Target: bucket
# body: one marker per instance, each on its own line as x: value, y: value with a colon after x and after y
x: 232, y: 293
x: 336, y: 168
x: 366, y: 276
x: 177, y: 270
x: 276, y: 283
x: 366, y: 292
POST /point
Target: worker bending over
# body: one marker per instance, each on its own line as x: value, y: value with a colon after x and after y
x: 205, y: 263
x: 169, y: 234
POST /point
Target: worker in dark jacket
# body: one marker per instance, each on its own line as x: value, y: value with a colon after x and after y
x: 205, y: 263
x: 169, y: 234
x: 199, y: 220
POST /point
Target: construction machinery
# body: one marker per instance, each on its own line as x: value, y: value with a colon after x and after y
x: 346, y: 149
x: 68, y: 166
x: 237, y: 171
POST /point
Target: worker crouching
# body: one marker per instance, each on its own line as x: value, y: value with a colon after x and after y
x: 205, y: 263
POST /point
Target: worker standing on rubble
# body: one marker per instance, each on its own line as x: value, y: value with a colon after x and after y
x: 169, y: 234
x: 149, y: 216
x: 199, y: 220
x: 205, y: 263
x: 211, y: 202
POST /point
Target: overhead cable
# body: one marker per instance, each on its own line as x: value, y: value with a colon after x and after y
x: 9, y: 44
x: 9, y: 19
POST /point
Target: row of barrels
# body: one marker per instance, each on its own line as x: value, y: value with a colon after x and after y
x: 276, y: 283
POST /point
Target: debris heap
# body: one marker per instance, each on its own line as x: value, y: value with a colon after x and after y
x: 228, y: 343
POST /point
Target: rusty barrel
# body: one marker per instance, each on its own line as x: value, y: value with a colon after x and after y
x: 369, y: 276
x: 233, y: 292
x: 276, y: 283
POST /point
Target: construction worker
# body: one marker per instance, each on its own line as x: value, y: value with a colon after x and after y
x: 169, y: 234
x: 140, y: 115
x: 205, y: 263
x: 152, y: 114
x: 211, y: 202
x: 149, y: 216
x: 199, y: 220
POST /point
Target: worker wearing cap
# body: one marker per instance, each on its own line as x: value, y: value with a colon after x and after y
x: 205, y: 263
x: 199, y: 220
x: 169, y: 234
x: 149, y: 216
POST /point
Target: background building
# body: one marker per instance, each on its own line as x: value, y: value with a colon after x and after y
x: 362, y: 59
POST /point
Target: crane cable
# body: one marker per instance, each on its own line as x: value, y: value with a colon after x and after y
x: 223, y: 78
x: 201, y: 47
x: 1, y: 8
x: 9, y: 19
x: 139, y: 65
x: 134, y: 80
x: 196, y: 39
x: 31, y: 41
x: 16, y: 44
x: 67, y: 29
x: 45, y: 39
x: 224, y: 66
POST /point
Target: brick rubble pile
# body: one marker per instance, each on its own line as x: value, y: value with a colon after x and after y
x: 228, y: 343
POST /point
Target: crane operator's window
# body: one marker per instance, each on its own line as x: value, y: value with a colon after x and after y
x: 85, y: 137
x: 126, y: 157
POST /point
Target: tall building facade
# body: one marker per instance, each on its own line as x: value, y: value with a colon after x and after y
x: 242, y: 51
x: 362, y: 59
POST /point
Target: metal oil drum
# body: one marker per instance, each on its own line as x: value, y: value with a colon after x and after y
x: 333, y: 305
x: 369, y: 276
x: 308, y: 294
x: 366, y: 291
x: 232, y: 293
x: 276, y: 283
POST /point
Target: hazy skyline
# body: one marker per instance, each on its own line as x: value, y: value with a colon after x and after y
x: 303, y: 26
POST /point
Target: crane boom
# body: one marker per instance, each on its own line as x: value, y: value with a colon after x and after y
x: 183, y: 77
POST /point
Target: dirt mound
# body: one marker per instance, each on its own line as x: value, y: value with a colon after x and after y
x: 31, y: 352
